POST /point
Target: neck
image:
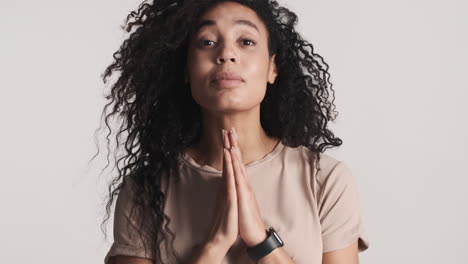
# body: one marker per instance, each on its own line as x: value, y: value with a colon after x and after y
x: 254, y: 143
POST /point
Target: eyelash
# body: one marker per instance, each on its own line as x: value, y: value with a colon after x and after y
x: 253, y: 42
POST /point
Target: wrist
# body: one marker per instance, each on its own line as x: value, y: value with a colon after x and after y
x: 216, y: 250
x: 257, y: 239
x: 218, y: 243
x: 261, y: 250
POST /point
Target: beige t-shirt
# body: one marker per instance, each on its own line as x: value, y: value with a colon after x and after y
x: 313, y: 212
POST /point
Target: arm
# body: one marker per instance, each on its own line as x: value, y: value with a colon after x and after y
x: 348, y: 255
x: 278, y: 255
x: 129, y: 260
x: 209, y: 253
x: 343, y: 234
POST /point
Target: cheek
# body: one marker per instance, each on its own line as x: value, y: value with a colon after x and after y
x: 256, y: 68
x: 255, y: 91
x: 194, y: 67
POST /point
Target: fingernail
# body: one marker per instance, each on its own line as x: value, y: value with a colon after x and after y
x: 224, y: 134
x: 230, y: 131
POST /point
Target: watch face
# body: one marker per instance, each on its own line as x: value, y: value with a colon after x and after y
x: 277, y: 237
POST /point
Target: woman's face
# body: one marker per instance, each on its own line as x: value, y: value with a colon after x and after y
x: 230, y: 38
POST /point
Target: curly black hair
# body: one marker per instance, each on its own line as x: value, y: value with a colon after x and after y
x: 161, y: 119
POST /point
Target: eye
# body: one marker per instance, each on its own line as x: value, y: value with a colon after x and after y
x: 206, y: 41
x: 248, y: 40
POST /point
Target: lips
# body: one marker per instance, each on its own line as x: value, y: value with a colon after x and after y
x: 229, y: 76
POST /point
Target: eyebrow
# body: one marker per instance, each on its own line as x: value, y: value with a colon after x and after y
x: 208, y: 22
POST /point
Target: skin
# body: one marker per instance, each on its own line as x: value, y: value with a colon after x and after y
x: 342, y: 256
x: 249, y: 220
x: 228, y: 46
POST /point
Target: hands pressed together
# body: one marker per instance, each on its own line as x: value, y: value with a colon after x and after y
x: 237, y: 212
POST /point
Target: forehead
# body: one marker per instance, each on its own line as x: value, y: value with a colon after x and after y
x: 229, y: 14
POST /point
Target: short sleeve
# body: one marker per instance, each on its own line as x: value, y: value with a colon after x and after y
x: 127, y: 241
x: 339, y: 209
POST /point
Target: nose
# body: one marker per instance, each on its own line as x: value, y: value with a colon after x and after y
x: 222, y: 60
x: 226, y: 53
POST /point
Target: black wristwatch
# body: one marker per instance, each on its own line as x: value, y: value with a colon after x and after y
x: 259, y: 251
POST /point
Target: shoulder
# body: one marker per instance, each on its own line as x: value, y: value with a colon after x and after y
x: 330, y: 166
x: 325, y: 165
x: 124, y: 204
x: 126, y: 192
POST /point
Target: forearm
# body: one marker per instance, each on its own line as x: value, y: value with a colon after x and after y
x: 209, y: 253
x: 278, y: 255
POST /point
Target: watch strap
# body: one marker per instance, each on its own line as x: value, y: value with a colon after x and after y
x: 268, y: 245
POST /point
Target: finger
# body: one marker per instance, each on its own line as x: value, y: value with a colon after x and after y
x: 233, y: 138
x: 228, y: 162
x: 228, y: 173
x: 226, y: 142
x: 238, y: 171
x: 235, y: 142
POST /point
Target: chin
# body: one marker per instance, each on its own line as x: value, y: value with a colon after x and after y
x: 230, y: 101
x: 231, y: 106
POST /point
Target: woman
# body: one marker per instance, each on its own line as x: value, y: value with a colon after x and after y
x: 226, y: 108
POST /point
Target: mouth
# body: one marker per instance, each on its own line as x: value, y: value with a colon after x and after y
x: 229, y: 83
x: 226, y: 76
x: 227, y: 79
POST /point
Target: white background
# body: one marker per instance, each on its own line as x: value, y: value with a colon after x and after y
x: 399, y: 69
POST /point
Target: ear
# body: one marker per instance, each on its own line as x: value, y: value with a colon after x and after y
x: 272, y: 70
